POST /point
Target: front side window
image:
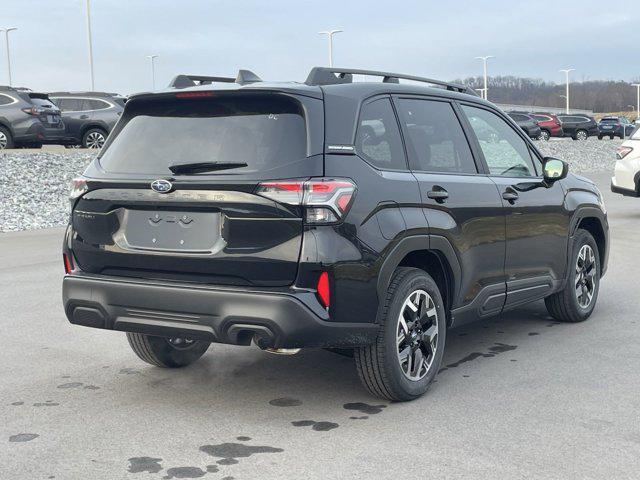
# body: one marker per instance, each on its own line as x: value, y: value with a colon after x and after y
x: 505, y: 152
x: 435, y: 136
x: 378, y: 137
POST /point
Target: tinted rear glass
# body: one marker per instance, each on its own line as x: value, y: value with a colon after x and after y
x: 41, y: 102
x: 265, y: 132
x: 609, y: 120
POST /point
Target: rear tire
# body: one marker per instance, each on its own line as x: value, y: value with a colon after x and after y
x: 575, y: 303
x: 6, y: 140
x: 165, y: 352
x: 545, y: 135
x: 407, y: 353
x: 94, y: 138
x: 581, y: 135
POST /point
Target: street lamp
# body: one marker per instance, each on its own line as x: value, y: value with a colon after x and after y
x: 153, y: 70
x: 637, y: 85
x: 566, y: 74
x: 484, y: 64
x: 330, y: 34
x: 6, y: 36
x: 90, y: 44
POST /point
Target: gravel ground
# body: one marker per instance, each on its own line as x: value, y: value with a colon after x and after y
x: 35, y: 185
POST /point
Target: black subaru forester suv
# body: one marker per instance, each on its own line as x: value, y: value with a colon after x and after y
x: 367, y: 216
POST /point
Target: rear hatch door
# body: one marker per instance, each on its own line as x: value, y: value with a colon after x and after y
x: 172, y: 194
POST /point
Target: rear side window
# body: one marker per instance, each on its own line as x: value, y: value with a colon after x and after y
x: 435, y: 136
x: 263, y: 131
x: 505, y: 152
x: 95, y: 104
x: 378, y: 138
x: 6, y: 100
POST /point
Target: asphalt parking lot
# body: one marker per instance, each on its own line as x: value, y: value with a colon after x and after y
x: 521, y: 395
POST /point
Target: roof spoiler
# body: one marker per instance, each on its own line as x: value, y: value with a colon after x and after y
x: 333, y: 76
x: 184, y: 81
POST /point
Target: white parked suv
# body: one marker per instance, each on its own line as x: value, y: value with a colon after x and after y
x: 626, y: 178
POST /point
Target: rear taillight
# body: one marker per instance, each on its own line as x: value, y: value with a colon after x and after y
x: 323, y: 289
x: 622, y: 152
x: 33, y: 111
x: 326, y: 200
x: 68, y: 266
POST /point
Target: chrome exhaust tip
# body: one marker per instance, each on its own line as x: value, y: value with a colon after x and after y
x: 282, y: 351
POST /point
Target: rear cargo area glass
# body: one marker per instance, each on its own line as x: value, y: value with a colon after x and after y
x: 264, y: 131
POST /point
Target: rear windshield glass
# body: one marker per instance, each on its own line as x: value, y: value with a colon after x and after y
x: 41, y: 102
x: 609, y: 120
x: 264, y: 132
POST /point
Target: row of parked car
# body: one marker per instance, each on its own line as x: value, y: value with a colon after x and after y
x: 543, y: 126
x: 84, y: 119
x: 73, y: 119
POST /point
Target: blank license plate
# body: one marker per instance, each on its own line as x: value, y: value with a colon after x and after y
x: 195, y: 232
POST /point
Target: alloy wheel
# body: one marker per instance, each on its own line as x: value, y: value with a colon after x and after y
x: 95, y: 140
x: 417, y: 335
x: 581, y: 135
x: 3, y: 141
x: 544, y: 135
x: 585, y: 277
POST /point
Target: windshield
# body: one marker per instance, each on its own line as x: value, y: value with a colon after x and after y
x: 264, y: 132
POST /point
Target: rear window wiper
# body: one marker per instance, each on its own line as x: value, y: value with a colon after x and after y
x: 201, y: 167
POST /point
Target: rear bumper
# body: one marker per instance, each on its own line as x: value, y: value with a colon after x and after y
x: 624, y: 191
x: 279, y: 319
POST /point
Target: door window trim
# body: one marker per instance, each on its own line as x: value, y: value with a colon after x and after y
x: 395, y: 98
x: 533, y: 151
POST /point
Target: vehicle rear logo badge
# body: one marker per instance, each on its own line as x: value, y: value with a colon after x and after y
x: 161, y: 186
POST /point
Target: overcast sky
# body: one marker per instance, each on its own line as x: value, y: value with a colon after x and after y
x: 278, y: 40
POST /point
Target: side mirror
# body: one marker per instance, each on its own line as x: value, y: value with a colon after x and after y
x: 554, y: 169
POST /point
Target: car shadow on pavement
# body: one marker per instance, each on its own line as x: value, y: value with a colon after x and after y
x: 227, y: 373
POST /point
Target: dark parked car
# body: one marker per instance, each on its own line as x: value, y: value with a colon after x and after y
x: 549, y: 125
x: 28, y: 119
x: 579, y: 127
x: 615, y: 127
x: 364, y: 216
x: 527, y: 124
x: 88, y: 116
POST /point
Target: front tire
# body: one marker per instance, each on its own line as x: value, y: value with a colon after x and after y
x: 575, y: 303
x: 166, y: 352
x: 545, y: 135
x: 407, y: 353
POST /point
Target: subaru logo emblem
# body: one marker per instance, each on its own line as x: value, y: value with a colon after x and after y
x: 161, y: 186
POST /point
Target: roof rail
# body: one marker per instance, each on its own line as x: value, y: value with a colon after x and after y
x: 332, y: 76
x: 185, y: 81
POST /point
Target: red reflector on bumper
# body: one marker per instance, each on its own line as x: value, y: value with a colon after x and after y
x: 323, y: 289
x: 67, y: 264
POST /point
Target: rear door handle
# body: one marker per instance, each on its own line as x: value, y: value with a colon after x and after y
x: 438, y: 194
x: 510, y: 195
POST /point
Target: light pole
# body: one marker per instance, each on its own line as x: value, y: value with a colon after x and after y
x: 6, y: 36
x: 637, y: 85
x: 90, y: 43
x: 566, y: 74
x: 481, y: 90
x: 330, y: 34
x: 484, y: 65
x: 153, y: 70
